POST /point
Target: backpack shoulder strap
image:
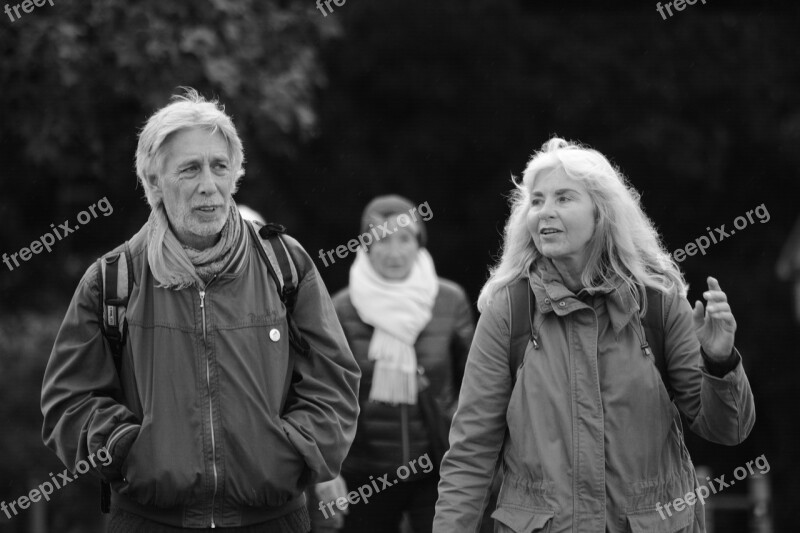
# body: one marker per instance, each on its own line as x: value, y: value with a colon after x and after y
x: 116, y: 280
x: 653, y: 325
x: 116, y: 276
x: 520, y: 302
x: 279, y: 262
x: 283, y: 271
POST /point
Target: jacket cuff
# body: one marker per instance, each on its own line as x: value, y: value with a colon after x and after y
x: 117, y: 446
x: 719, y: 369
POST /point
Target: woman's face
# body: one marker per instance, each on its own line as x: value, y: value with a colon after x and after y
x: 561, y: 218
x: 393, y: 255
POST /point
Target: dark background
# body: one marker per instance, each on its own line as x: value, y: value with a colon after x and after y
x: 439, y: 101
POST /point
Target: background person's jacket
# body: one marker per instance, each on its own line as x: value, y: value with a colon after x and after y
x: 390, y: 436
x: 594, y: 443
x: 212, y: 444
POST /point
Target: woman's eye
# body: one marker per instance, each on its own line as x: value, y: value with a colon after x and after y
x: 536, y: 201
x: 563, y: 199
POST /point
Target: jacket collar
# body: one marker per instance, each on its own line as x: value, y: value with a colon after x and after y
x: 553, y: 296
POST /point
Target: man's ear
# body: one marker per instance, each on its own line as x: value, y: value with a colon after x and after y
x: 155, y: 187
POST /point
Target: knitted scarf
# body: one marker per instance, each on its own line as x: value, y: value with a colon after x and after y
x: 177, y: 266
x: 399, y: 311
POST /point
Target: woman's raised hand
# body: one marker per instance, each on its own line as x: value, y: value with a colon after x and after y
x: 716, y: 327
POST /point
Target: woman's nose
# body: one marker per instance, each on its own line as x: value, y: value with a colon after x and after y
x: 547, y: 209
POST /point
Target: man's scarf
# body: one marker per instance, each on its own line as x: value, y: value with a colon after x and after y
x: 177, y: 266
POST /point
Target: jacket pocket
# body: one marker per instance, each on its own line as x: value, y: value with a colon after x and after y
x: 652, y: 504
x: 522, y: 520
x: 522, y: 505
x: 163, y: 474
x: 266, y: 468
x: 651, y: 521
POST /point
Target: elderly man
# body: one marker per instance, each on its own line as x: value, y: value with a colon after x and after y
x: 213, y: 419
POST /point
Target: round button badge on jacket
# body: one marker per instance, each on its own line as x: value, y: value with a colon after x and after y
x: 275, y: 335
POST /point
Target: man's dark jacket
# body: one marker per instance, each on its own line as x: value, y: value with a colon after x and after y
x: 202, y: 380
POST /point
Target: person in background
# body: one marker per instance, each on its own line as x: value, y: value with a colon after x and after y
x: 584, y: 427
x: 248, y: 213
x: 408, y: 328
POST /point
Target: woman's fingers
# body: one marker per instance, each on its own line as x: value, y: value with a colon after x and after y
x: 715, y: 296
x: 714, y: 292
x: 698, y: 314
x: 717, y: 307
x: 725, y: 316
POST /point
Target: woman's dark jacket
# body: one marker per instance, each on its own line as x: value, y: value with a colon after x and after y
x: 390, y: 436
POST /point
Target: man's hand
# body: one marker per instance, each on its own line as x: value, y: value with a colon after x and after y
x: 716, y: 327
x: 329, y: 491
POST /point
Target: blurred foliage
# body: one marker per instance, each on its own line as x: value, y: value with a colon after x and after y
x: 25, y: 343
x: 80, y: 79
x: 442, y: 102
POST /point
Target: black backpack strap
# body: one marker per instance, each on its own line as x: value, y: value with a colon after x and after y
x: 116, y: 273
x: 653, y: 325
x: 520, y: 302
x: 281, y: 266
x: 283, y: 271
x: 116, y: 279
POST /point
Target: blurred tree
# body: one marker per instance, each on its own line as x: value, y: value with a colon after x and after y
x: 79, y: 80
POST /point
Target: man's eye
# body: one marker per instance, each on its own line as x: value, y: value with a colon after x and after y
x: 536, y: 201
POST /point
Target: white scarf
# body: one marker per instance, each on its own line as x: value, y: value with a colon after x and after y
x: 398, y: 310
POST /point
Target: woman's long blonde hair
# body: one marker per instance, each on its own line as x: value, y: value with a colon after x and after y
x: 625, y: 244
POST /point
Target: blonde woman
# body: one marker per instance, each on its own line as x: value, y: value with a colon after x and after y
x: 587, y: 436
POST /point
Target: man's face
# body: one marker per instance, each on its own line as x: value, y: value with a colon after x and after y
x: 195, y: 185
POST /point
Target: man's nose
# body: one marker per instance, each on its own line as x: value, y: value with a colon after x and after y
x: 206, y: 184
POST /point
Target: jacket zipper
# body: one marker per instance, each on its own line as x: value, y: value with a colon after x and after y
x: 210, y: 408
x: 404, y: 431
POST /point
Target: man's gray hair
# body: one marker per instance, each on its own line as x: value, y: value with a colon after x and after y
x: 185, y: 111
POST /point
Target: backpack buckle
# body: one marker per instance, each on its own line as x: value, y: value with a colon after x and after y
x: 271, y: 229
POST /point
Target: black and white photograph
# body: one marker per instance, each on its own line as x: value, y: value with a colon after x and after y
x: 443, y: 266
